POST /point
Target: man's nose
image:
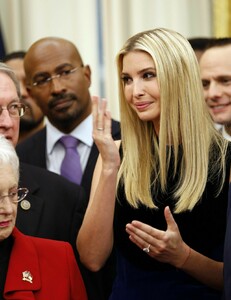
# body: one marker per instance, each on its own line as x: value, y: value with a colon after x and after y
x: 57, y: 86
x: 214, y: 91
x: 5, y: 119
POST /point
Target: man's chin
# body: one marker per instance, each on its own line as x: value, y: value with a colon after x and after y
x: 222, y: 120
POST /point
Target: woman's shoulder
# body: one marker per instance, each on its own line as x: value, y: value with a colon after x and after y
x: 41, y: 244
x: 49, y: 243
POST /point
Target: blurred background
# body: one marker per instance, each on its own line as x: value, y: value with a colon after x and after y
x: 99, y: 28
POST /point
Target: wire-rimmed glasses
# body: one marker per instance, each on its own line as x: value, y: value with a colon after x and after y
x: 45, y: 80
x: 16, y: 195
x: 15, y: 109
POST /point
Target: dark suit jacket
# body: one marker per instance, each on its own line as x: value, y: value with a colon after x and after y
x: 53, y: 272
x: 33, y: 151
x: 57, y: 205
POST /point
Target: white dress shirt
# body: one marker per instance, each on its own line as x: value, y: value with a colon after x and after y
x: 55, y: 151
x: 225, y: 134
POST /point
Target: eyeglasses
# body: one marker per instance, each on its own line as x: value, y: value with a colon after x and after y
x: 61, y: 75
x: 15, y: 110
x: 16, y: 195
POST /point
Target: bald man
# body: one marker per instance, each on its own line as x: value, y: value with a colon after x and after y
x: 59, y: 81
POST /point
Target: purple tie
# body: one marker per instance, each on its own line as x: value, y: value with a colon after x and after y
x: 70, y: 167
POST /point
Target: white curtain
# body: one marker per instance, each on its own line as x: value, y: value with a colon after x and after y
x: 24, y: 21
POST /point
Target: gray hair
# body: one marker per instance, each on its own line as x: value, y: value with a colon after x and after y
x: 8, y: 155
x: 10, y: 73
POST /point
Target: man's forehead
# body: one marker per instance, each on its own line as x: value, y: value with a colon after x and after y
x: 48, y: 51
x: 7, y: 86
x: 50, y: 62
x: 217, y: 54
x: 219, y: 63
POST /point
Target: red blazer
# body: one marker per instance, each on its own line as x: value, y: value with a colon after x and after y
x: 42, y: 269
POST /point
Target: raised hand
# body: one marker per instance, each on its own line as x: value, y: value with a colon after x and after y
x: 102, y: 134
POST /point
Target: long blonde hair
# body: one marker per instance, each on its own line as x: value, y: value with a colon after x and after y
x: 184, y: 122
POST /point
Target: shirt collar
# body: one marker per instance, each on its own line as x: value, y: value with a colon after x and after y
x: 225, y: 134
x: 82, y: 132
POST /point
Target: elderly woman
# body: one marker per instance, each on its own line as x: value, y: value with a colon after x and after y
x: 31, y: 268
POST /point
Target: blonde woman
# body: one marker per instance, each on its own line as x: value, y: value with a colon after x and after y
x: 159, y: 196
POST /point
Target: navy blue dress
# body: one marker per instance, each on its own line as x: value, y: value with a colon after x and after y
x: 141, y: 277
